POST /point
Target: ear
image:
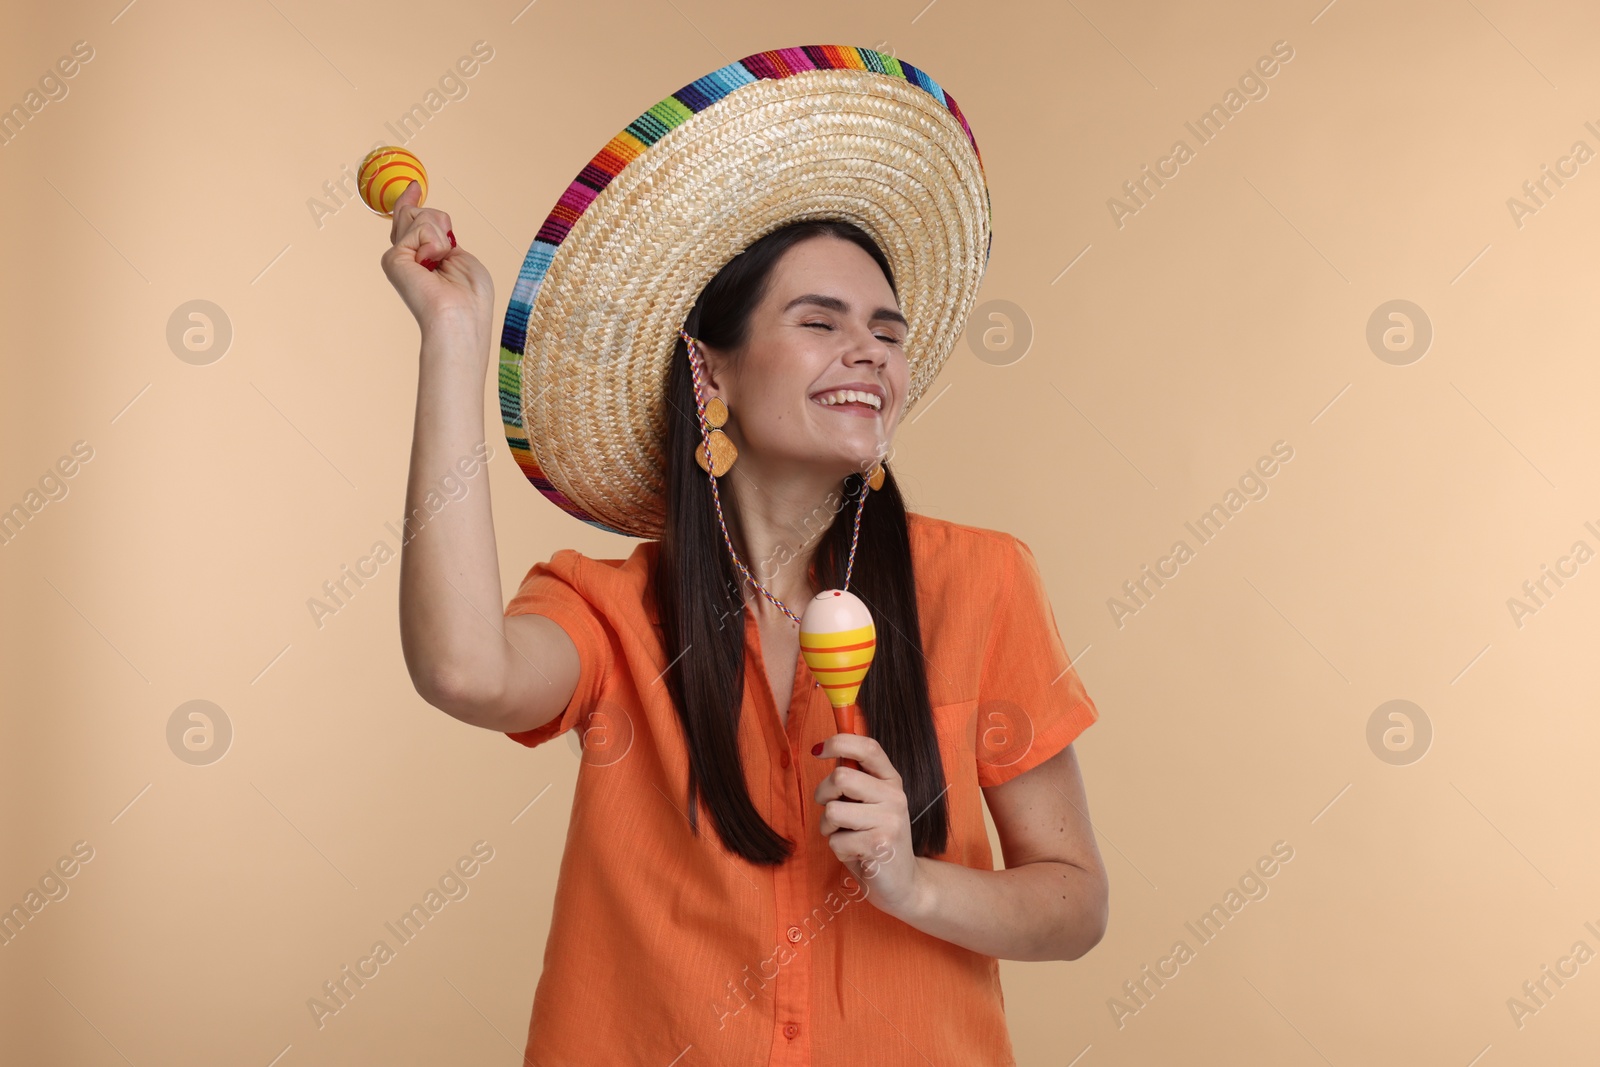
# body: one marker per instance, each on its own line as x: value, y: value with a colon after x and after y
x: 716, y: 370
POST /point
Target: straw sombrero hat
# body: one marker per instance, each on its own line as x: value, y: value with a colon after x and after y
x: 820, y: 131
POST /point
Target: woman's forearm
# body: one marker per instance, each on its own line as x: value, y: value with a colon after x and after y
x: 1037, y: 911
x: 450, y: 597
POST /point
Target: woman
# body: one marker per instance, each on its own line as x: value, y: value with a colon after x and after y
x: 710, y: 902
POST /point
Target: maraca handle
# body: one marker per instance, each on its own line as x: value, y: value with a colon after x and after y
x: 846, y: 720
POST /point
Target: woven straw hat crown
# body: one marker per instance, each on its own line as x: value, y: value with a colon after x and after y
x: 815, y: 132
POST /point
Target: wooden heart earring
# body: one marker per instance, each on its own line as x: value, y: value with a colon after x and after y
x: 713, y: 415
x: 723, y: 451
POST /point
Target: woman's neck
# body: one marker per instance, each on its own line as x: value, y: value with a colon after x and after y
x: 776, y: 523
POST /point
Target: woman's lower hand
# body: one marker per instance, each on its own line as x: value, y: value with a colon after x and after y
x: 443, y: 284
x: 868, y: 825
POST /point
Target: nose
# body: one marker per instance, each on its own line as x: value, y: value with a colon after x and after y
x: 870, y: 352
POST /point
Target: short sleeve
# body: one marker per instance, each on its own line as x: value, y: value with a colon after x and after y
x: 1031, y: 702
x: 555, y: 591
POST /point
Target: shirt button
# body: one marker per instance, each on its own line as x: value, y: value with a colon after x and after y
x: 791, y: 1031
x: 794, y: 933
x: 783, y: 758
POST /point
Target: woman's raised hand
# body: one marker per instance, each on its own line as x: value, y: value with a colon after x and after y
x: 444, y: 285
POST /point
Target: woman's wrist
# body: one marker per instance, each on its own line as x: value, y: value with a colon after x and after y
x: 922, y: 902
x: 456, y: 328
x: 456, y: 341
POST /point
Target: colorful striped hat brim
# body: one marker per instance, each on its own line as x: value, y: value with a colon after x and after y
x: 820, y: 131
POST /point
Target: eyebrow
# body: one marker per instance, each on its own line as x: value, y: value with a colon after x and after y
x: 833, y: 303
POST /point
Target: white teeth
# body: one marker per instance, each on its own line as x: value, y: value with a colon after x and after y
x: 847, y: 396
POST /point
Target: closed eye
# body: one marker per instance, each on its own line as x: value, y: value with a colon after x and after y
x: 890, y: 339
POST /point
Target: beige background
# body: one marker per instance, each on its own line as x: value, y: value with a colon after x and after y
x: 1229, y: 313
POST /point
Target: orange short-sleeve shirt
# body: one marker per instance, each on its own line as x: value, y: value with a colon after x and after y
x: 666, y: 948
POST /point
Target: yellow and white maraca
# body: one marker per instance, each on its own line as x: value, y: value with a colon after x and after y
x: 837, y: 639
x: 385, y: 173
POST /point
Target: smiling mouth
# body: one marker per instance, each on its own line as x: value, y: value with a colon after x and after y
x: 850, y: 399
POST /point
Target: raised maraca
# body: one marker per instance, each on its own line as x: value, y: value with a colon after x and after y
x: 837, y: 639
x: 384, y: 175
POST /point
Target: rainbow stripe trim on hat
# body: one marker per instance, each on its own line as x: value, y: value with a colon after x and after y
x: 623, y: 149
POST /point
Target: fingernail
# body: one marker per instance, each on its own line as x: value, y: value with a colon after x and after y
x: 430, y: 264
x: 452, y: 235
x: 816, y: 749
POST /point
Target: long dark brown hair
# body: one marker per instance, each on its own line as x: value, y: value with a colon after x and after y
x: 702, y: 612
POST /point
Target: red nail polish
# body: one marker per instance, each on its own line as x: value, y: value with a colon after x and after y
x: 429, y: 263
x: 816, y: 749
x: 452, y: 235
